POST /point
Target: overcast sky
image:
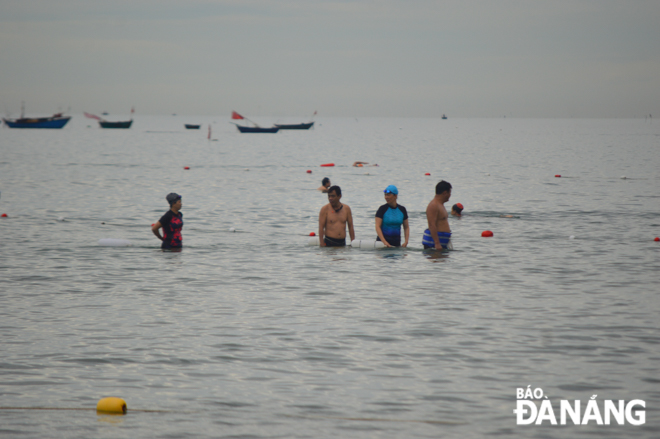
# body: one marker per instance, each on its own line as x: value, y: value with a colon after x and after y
x: 414, y: 58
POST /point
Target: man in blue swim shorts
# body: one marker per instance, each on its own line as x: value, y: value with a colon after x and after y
x: 438, y: 235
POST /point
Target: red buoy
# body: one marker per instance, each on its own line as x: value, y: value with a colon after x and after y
x: 312, y: 234
x: 486, y: 233
x: 557, y: 175
x: 327, y: 164
x: 428, y: 173
x: 186, y: 167
x: 309, y: 171
x: 4, y: 215
x: 657, y: 238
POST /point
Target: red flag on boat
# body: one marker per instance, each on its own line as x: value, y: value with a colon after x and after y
x: 91, y: 116
x: 235, y: 115
x: 132, y: 110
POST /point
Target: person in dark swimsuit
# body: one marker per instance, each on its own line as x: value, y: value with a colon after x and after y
x: 171, y: 223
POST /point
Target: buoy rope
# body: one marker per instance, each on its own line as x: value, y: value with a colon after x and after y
x: 88, y: 408
x: 420, y: 421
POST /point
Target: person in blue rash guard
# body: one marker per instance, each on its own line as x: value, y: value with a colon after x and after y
x: 389, y: 219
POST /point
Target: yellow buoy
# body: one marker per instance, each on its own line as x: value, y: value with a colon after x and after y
x: 111, y: 405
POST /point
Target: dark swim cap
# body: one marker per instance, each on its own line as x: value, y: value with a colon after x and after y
x: 172, y: 198
x: 325, y: 181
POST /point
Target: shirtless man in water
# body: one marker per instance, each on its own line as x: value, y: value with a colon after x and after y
x: 438, y: 234
x: 333, y: 219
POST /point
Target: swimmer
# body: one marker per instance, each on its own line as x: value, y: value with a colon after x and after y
x: 325, y: 184
x: 333, y: 219
x: 171, y: 223
x: 438, y: 234
x: 389, y: 219
x: 456, y: 209
x: 360, y: 164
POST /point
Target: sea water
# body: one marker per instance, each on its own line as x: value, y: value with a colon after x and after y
x: 249, y: 332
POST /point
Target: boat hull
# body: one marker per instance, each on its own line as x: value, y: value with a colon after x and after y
x: 106, y: 124
x: 191, y: 126
x: 257, y: 129
x: 298, y: 126
x: 37, y: 122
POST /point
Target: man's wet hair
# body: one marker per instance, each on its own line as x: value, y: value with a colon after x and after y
x: 442, y: 187
x: 335, y: 189
x: 325, y: 180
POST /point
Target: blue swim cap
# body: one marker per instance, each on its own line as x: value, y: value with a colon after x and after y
x: 391, y: 189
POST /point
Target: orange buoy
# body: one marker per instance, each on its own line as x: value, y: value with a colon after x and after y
x: 327, y: 164
x: 309, y: 171
x: 312, y: 234
x: 112, y: 405
x: 428, y: 173
x: 486, y: 233
x: 557, y: 175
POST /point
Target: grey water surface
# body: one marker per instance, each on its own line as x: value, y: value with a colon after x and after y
x: 254, y: 334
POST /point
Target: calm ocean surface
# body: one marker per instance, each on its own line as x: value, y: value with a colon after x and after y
x: 254, y: 334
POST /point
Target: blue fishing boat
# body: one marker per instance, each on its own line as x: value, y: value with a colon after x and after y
x: 190, y: 126
x: 298, y: 126
x: 54, y: 122
x: 257, y: 129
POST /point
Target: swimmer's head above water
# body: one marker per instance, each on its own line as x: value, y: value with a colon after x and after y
x: 456, y: 209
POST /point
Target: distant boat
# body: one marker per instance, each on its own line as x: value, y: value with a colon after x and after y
x: 243, y: 129
x: 107, y: 124
x: 123, y: 124
x: 444, y: 117
x: 191, y: 126
x: 255, y: 129
x: 55, y: 121
x: 299, y: 126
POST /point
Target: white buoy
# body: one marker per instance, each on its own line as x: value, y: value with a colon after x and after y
x: 231, y: 229
x: 571, y: 237
x: 314, y: 241
x: 61, y: 218
x: 246, y: 169
x: 111, y: 242
x: 623, y: 177
x: 367, y: 244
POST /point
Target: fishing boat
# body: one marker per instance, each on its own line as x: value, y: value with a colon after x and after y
x: 243, y: 129
x: 190, y: 126
x: 298, y: 126
x: 122, y: 124
x: 255, y: 129
x: 444, y: 117
x: 107, y: 124
x: 57, y: 120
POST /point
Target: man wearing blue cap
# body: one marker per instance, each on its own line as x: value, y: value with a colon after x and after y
x: 171, y: 223
x: 389, y: 219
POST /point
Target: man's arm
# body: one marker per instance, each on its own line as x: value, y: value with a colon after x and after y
x: 432, y: 215
x: 323, y: 214
x: 349, y: 220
